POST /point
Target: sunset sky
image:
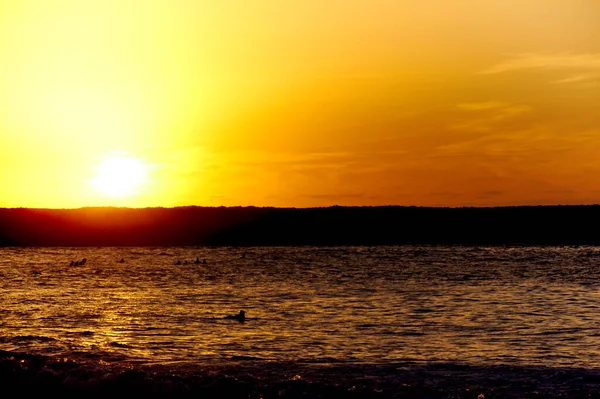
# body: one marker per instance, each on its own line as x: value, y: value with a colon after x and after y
x: 306, y: 103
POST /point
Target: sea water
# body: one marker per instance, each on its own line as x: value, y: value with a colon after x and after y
x: 383, y: 318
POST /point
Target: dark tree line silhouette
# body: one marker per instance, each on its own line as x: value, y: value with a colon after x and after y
x: 336, y: 225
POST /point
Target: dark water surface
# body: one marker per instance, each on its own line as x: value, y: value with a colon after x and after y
x: 321, y: 321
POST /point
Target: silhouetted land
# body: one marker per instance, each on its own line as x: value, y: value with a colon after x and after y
x: 245, y: 226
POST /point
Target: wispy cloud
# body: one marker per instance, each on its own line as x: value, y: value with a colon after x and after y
x: 481, y: 106
x: 578, y: 62
x: 578, y: 78
x: 583, y: 69
x: 499, y: 110
x: 486, y: 116
x: 527, y: 143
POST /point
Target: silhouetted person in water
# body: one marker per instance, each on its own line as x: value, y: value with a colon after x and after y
x: 204, y: 261
x: 197, y: 261
x: 82, y: 262
x: 243, y: 255
x: 122, y: 260
x: 178, y: 262
x: 239, y: 317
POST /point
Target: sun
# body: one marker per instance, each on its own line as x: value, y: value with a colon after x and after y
x: 120, y: 176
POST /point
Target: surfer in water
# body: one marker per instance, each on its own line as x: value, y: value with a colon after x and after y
x: 239, y: 317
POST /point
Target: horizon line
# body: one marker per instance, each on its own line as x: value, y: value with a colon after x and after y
x: 301, y: 208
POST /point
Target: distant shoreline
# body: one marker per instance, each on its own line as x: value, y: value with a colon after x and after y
x: 327, y: 226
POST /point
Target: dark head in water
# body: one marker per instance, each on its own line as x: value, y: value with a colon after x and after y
x: 239, y: 317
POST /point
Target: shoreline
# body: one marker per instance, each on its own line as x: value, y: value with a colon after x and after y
x: 23, y: 374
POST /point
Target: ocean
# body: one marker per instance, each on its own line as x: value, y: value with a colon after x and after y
x: 351, y: 321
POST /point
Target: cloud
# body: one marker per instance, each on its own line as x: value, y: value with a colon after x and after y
x: 546, y: 144
x: 498, y: 110
x: 488, y: 115
x: 491, y: 147
x: 569, y: 62
x: 580, y: 69
x: 481, y: 106
x: 576, y: 78
x: 336, y: 197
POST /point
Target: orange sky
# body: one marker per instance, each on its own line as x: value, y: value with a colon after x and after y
x: 299, y: 103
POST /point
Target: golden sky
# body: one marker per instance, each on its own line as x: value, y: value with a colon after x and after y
x: 299, y: 103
